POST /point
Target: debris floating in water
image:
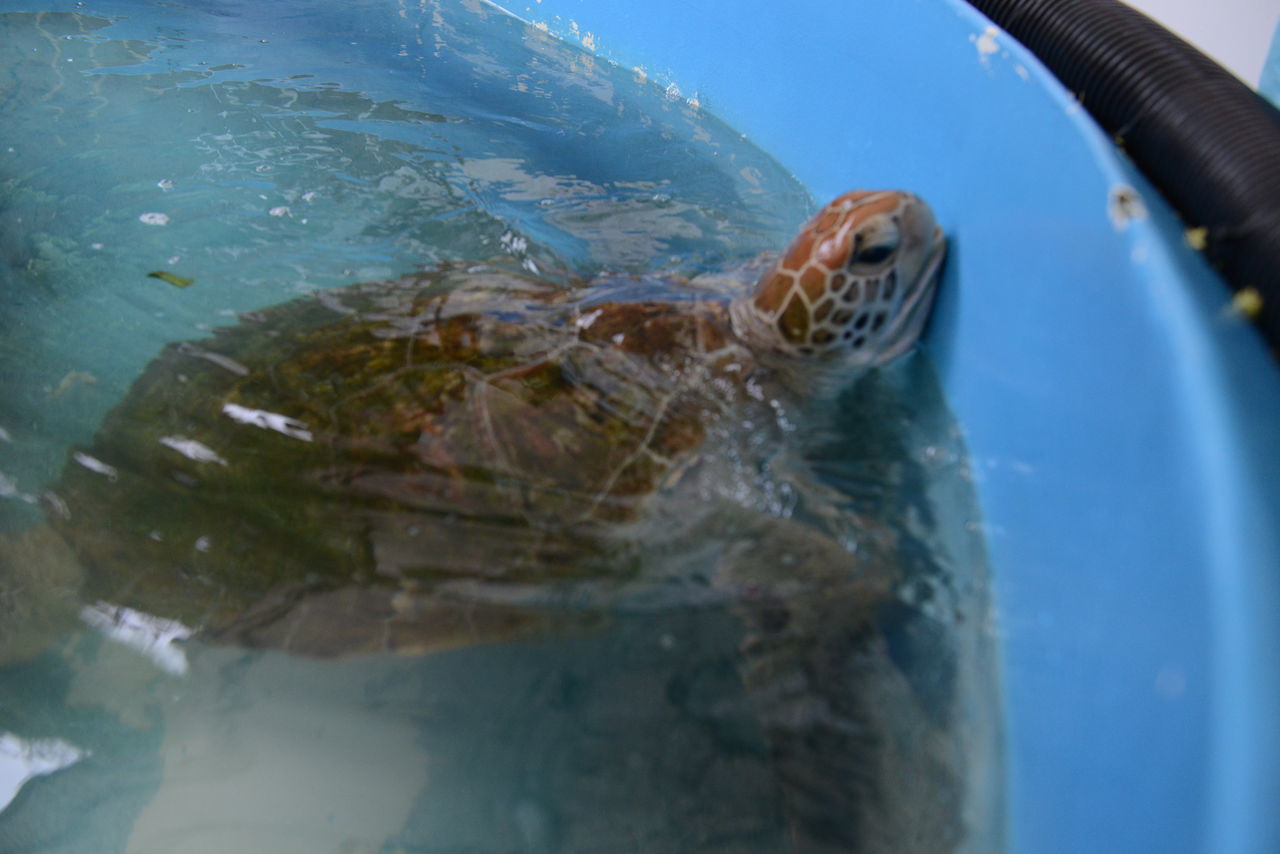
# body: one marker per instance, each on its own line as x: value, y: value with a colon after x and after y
x: 154, y: 218
x: 267, y: 421
x: 153, y: 637
x: 193, y: 450
x: 73, y: 378
x: 172, y: 278
x: 188, y: 349
x: 514, y: 243
x: 56, y: 504
x: 94, y: 464
x: 22, y: 759
x: 9, y: 489
x: 584, y: 321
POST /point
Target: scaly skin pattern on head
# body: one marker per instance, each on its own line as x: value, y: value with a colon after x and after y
x: 852, y: 290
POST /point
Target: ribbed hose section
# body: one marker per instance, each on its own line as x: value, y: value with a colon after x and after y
x: 1207, y: 141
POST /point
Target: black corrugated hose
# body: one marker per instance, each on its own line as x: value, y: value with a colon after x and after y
x: 1206, y: 140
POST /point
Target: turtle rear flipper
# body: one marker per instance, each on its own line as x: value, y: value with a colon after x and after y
x: 865, y: 761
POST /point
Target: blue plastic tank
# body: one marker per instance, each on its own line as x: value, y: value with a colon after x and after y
x: 1123, y: 421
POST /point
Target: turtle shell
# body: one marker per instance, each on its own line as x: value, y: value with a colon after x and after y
x: 329, y: 475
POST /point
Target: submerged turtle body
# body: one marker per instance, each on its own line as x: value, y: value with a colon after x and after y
x: 473, y: 454
x: 355, y: 460
x: 333, y: 474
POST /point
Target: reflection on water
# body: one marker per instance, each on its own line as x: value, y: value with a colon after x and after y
x: 667, y: 610
x: 21, y: 760
x: 295, y: 148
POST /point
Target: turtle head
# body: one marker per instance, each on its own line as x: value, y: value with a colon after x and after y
x: 852, y: 290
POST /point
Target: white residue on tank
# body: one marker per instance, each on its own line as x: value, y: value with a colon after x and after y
x: 1125, y: 205
x: 1011, y: 465
x: 986, y: 44
x: 1171, y: 682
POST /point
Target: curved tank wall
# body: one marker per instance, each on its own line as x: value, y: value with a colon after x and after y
x: 1122, y: 422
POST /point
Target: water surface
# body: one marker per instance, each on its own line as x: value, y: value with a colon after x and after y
x: 266, y: 151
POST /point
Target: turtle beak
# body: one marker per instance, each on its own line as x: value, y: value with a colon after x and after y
x: 913, y: 313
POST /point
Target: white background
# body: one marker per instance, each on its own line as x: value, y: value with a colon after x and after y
x: 1236, y: 33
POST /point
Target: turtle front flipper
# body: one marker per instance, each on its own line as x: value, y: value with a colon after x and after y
x: 865, y: 758
x: 40, y: 582
x: 362, y: 620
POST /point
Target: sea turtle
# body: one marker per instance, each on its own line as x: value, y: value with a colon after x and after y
x: 469, y: 454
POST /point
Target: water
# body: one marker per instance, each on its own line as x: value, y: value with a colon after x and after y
x: 270, y: 150
x: 405, y: 141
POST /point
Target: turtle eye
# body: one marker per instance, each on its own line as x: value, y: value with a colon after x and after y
x: 876, y: 242
x: 876, y: 253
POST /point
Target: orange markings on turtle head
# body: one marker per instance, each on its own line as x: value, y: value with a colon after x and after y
x: 793, y: 323
x: 772, y: 290
x: 799, y: 251
x: 827, y: 219
x: 856, y: 281
x: 814, y: 282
